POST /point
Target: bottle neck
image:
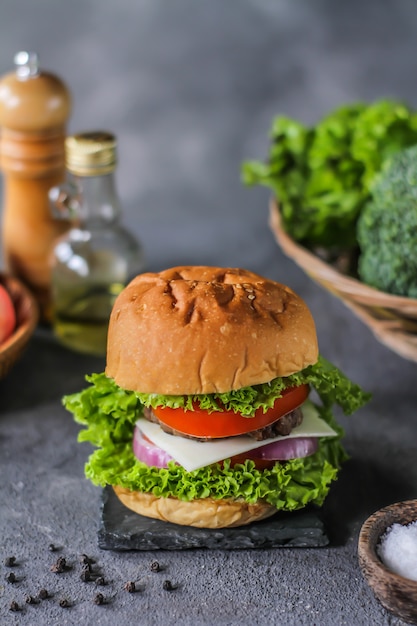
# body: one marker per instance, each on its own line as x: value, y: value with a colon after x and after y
x: 98, y: 199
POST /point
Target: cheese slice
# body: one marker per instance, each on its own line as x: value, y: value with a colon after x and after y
x: 192, y: 454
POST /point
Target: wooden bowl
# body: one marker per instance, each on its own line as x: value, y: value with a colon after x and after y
x: 396, y: 593
x: 392, y: 319
x: 27, y: 316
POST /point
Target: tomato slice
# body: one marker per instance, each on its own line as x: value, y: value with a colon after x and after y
x: 201, y: 423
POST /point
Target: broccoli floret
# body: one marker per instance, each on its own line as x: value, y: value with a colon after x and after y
x: 387, y: 228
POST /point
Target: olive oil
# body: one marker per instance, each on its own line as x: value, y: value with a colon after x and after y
x: 97, y: 257
x: 81, y: 318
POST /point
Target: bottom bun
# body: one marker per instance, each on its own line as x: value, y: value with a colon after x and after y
x: 203, y: 513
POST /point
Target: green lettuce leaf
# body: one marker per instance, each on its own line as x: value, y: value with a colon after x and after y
x: 109, y: 414
x: 331, y: 384
x: 288, y: 486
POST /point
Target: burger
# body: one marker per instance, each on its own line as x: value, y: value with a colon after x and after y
x: 215, y: 407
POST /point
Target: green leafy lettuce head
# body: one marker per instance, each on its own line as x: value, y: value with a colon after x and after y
x: 322, y: 175
x: 233, y: 490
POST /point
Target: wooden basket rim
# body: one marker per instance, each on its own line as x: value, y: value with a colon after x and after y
x: 11, y: 347
x: 335, y: 280
x: 392, y: 319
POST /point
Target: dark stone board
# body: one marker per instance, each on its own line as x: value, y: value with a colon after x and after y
x: 122, y: 529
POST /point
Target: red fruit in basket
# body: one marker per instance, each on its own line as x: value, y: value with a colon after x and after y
x: 7, y: 315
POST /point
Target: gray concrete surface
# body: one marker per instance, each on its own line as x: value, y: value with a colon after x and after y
x: 190, y: 89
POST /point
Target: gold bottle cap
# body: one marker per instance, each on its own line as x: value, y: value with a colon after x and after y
x: 91, y: 153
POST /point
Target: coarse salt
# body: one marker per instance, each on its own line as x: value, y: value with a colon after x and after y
x: 398, y: 549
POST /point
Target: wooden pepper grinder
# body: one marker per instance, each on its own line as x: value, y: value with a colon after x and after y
x: 34, y: 109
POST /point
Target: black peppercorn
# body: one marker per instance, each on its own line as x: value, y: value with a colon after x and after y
x: 10, y: 561
x: 130, y: 586
x: 43, y: 594
x: 168, y: 586
x: 60, y: 566
x: 155, y: 567
x: 30, y: 600
x: 85, y: 575
x: 52, y: 547
x: 10, y: 577
x: 85, y: 560
x: 63, y: 603
x: 14, y: 606
x: 100, y: 581
x: 99, y: 599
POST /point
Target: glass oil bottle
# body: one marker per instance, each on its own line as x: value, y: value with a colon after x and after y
x: 97, y: 257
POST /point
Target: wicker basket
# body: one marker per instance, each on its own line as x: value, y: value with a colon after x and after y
x: 392, y: 319
x: 26, y: 320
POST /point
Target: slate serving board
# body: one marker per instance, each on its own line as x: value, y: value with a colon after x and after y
x: 122, y: 529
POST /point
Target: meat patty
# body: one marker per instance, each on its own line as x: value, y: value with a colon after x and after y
x: 282, y: 426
